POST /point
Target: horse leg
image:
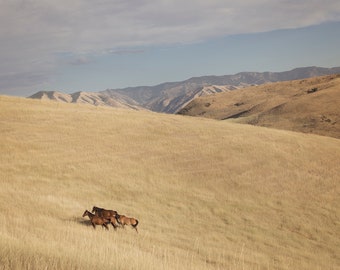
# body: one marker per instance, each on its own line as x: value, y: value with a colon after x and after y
x: 116, y: 223
x: 94, y: 225
x: 104, y: 224
x: 113, y: 225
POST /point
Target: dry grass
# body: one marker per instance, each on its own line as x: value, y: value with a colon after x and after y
x: 309, y: 105
x: 208, y: 194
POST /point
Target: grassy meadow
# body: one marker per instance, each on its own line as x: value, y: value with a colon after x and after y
x: 208, y: 194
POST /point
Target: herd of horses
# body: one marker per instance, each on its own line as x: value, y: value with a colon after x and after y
x: 103, y: 217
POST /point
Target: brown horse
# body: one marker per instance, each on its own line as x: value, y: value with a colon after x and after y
x: 95, y: 220
x: 107, y: 214
x: 123, y: 220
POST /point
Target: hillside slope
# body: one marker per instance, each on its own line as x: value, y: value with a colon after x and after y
x: 309, y: 105
x: 208, y: 194
x: 170, y: 97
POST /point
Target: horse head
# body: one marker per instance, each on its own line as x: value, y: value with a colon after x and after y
x: 85, y: 213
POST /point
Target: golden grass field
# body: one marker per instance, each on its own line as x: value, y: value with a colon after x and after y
x: 208, y: 194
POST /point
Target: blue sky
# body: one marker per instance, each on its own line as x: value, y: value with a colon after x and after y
x: 95, y: 45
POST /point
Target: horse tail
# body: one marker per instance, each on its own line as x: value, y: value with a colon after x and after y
x: 135, y: 225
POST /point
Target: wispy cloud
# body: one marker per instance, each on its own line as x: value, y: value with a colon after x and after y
x: 32, y: 32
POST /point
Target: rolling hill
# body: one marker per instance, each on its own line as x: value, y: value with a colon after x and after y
x: 308, y: 105
x: 170, y: 97
x: 208, y: 194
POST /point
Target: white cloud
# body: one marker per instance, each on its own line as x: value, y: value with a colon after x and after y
x: 32, y: 33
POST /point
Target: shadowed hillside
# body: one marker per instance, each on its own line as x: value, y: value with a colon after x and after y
x: 309, y: 105
x: 208, y: 194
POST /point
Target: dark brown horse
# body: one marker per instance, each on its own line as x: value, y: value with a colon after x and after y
x: 107, y: 214
x: 123, y: 220
x: 95, y: 220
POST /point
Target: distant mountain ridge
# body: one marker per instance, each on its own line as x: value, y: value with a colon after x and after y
x: 170, y: 97
x: 92, y: 98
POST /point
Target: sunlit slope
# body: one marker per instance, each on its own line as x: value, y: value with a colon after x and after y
x: 208, y: 194
x: 310, y: 105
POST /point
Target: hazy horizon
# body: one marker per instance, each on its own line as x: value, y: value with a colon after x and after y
x: 86, y: 46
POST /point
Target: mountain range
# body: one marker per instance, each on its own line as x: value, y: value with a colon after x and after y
x: 170, y: 97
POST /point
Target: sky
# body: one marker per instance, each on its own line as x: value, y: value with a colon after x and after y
x: 86, y: 45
